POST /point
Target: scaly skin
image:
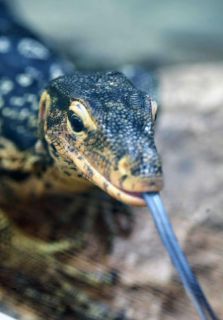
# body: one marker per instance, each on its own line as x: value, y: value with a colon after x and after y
x: 83, y: 130
x: 99, y: 127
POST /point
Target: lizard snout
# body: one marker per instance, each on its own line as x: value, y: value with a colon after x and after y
x: 142, y: 174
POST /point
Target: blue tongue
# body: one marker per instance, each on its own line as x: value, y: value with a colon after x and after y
x: 179, y: 260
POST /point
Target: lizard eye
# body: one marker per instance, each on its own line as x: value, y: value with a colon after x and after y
x: 75, y: 122
x: 78, y: 118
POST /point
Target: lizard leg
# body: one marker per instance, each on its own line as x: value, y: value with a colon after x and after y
x: 16, y: 247
x: 91, y: 309
x: 57, y: 299
x: 44, y: 280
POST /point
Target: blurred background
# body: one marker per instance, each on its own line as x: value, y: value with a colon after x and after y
x: 113, y: 32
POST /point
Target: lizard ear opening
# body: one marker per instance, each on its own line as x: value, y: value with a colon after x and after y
x: 44, y: 105
x: 43, y: 111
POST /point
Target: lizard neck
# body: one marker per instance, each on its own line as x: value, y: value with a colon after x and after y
x: 60, y: 174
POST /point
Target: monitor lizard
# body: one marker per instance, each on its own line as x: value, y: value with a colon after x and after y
x: 62, y: 132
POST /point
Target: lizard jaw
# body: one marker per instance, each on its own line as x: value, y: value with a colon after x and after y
x: 131, y: 198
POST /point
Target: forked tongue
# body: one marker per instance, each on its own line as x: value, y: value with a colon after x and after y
x: 179, y: 260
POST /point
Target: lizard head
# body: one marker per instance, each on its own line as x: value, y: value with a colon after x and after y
x: 99, y: 127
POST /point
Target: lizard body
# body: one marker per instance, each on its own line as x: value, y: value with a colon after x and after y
x: 61, y: 133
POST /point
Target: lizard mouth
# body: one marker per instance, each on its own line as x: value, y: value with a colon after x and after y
x: 134, y: 198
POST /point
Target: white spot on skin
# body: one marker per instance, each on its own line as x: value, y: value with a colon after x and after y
x: 24, y: 113
x: 36, y: 74
x: 55, y: 71
x: 32, y: 100
x: 5, y: 45
x: 32, y: 49
x: 24, y: 79
x: 6, y: 86
x: 32, y: 122
x: 16, y: 101
x: 6, y: 112
x: 30, y: 97
x: 12, y: 114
